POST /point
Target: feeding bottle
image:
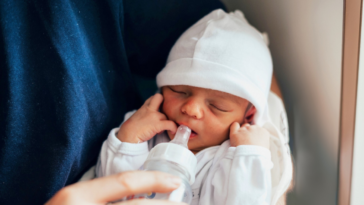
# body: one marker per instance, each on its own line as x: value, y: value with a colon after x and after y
x: 174, y: 158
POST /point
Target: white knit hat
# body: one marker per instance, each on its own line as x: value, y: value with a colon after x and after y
x: 223, y: 52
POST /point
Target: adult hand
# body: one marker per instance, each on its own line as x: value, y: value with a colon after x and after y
x: 112, y: 188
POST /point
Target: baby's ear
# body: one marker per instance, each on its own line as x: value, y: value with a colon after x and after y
x: 249, y: 115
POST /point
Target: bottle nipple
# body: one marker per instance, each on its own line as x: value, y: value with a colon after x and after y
x: 182, y: 136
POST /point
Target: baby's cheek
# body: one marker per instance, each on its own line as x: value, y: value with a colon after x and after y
x: 219, y: 131
x: 169, y: 107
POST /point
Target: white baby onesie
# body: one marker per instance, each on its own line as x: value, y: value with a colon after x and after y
x: 224, y: 175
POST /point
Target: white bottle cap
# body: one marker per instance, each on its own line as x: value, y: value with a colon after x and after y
x: 177, y: 152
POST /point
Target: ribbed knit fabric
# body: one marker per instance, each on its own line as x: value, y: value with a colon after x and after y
x: 66, y: 79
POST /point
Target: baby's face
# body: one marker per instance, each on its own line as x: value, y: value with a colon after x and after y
x: 209, y: 113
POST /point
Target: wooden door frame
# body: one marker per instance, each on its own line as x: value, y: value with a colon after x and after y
x: 349, y: 78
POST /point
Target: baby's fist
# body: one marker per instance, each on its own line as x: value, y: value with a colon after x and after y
x: 248, y: 135
x: 146, y: 122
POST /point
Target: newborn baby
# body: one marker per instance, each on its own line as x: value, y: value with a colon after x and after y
x: 212, y: 116
x: 216, y: 82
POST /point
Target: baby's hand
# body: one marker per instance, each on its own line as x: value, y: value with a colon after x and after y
x: 248, y: 135
x: 146, y: 122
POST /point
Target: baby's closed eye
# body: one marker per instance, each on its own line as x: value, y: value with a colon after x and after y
x: 219, y: 108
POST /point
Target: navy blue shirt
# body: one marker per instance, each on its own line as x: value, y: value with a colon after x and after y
x: 66, y: 79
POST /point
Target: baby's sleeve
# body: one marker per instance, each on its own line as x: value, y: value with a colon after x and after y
x: 117, y: 156
x: 243, y: 177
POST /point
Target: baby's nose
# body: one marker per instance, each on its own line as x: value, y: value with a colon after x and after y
x: 193, y: 108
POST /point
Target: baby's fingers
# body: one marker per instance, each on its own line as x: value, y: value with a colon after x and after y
x: 167, y: 125
x: 234, y: 127
x: 155, y: 102
x: 147, y: 102
x: 246, y: 125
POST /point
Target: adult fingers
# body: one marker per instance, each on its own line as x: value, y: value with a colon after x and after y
x: 234, y: 127
x: 149, y: 202
x: 155, y: 101
x: 115, y: 187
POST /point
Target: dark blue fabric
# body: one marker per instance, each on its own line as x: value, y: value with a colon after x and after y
x: 66, y: 79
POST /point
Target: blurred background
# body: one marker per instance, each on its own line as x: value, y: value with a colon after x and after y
x: 306, y: 45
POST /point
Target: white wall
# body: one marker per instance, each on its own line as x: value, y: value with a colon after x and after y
x: 306, y: 45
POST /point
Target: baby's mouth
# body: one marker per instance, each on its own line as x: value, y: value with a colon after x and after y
x: 193, y: 133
